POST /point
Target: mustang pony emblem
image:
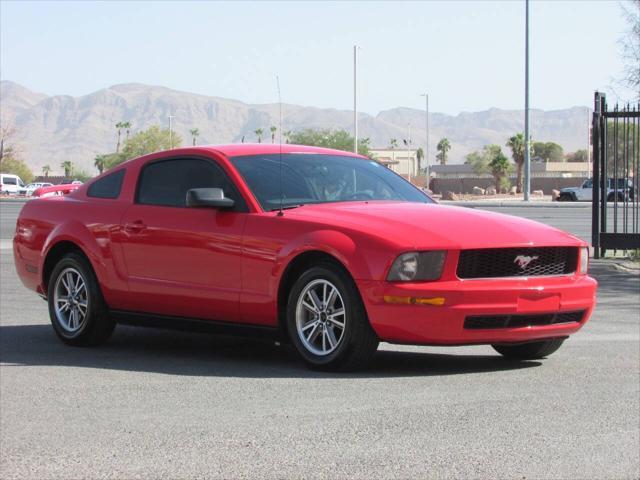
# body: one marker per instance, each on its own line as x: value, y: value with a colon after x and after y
x: 523, y: 261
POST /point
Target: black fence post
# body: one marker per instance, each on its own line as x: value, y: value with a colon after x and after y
x: 595, y: 192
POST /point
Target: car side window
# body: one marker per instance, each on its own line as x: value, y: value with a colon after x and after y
x: 166, y: 182
x: 107, y: 187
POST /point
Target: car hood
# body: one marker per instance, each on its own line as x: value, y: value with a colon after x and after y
x: 417, y: 225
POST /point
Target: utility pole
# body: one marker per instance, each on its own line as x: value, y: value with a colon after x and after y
x: 170, y: 131
x: 426, y: 118
x: 527, y: 146
x: 355, y: 99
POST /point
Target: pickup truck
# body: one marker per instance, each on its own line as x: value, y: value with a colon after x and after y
x: 584, y: 193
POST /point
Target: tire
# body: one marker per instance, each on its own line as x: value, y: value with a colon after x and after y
x: 65, y: 304
x: 565, y: 197
x: 316, y: 332
x: 530, y: 351
x: 611, y: 197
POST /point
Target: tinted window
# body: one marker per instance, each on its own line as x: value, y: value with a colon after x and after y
x: 311, y: 178
x: 107, y: 187
x: 166, y: 182
x: 9, y: 181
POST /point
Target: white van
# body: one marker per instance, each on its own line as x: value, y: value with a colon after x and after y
x: 10, y: 183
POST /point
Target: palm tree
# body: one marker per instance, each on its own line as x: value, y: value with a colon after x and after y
x: 68, y: 168
x: 119, y: 127
x: 46, y: 170
x: 516, y: 144
x: 127, y: 127
x: 393, y: 144
x: 419, y: 157
x: 443, y: 147
x: 194, y: 134
x: 273, y: 130
x: 287, y: 135
x: 259, y: 133
x: 100, y: 163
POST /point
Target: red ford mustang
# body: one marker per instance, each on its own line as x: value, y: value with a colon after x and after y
x: 330, y: 250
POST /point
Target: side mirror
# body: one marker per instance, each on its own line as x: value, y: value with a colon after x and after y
x: 208, y: 197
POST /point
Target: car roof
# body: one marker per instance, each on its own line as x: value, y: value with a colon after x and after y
x: 240, y: 149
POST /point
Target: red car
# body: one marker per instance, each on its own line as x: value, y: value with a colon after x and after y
x: 327, y: 249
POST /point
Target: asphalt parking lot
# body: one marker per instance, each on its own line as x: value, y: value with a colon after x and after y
x: 156, y: 404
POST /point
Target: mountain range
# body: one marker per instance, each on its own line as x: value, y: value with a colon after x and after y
x: 53, y: 129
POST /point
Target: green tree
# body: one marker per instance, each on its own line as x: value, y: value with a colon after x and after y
x: 67, y: 165
x: 578, y: 156
x: 127, y: 127
x: 443, y: 148
x: 82, y: 175
x: 259, y: 132
x: 517, y: 146
x: 419, y: 157
x: 46, y: 170
x: 547, y: 151
x: 113, y: 159
x: 119, y: 127
x: 194, y: 134
x: 480, y: 161
x: 154, y: 139
x: 328, y: 138
x: 499, y: 166
x: 287, y: 135
x: 273, y: 130
x: 100, y: 162
x: 15, y: 166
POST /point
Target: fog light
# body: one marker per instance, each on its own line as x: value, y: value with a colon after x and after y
x: 400, y: 300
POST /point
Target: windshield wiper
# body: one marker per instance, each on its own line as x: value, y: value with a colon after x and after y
x: 287, y: 207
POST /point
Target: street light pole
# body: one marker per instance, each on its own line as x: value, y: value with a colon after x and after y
x: 355, y: 99
x: 170, y: 132
x: 527, y: 146
x: 426, y: 118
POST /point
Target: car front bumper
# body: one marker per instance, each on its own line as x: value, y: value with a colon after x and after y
x: 411, y: 312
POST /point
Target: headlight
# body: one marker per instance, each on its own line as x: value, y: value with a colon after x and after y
x: 417, y: 266
x: 584, y: 260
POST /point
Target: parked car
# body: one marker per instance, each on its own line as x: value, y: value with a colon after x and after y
x: 10, y: 184
x: 53, y: 190
x: 584, y: 193
x: 323, y: 248
x: 32, y: 187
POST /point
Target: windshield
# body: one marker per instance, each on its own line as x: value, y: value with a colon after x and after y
x: 317, y: 178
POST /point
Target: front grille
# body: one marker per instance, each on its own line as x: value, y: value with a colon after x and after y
x: 515, y: 321
x: 517, y: 262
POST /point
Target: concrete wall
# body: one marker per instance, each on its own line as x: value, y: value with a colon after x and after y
x: 465, y: 185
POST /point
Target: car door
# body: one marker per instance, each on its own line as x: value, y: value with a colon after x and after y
x: 181, y: 261
x: 585, y: 193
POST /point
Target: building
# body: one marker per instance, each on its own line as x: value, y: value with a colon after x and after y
x: 402, y: 161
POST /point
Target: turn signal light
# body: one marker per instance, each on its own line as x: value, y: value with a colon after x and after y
x: 394, y: 299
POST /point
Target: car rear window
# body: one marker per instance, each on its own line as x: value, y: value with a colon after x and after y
x: 107, y: 187
x: 9, y: 181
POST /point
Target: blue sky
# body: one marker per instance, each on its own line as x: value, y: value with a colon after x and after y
x: 467, y: 55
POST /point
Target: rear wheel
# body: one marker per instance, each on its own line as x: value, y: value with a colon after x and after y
x: 77, y: 310
x: 530, y: 351
x: 565, y: 197
x: 327, y: 322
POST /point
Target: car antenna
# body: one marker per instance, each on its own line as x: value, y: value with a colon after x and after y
x: 280, y: 141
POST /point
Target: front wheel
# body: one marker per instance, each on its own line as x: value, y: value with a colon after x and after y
x: 77, y: 310
x: 327, y: 322
x: 530, y: 351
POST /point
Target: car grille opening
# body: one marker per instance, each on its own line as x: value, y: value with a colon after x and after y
x: 517, y: 262
x: 514, y: 321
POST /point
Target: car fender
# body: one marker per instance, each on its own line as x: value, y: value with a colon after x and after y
x: 332, y: 242
x: 78, y: 234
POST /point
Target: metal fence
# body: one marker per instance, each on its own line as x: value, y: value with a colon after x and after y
x: 616, y: 179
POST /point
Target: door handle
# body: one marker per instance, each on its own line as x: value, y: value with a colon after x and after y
x: 135, y: 227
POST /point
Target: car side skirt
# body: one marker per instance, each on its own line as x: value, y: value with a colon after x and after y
x: 165, y: 322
